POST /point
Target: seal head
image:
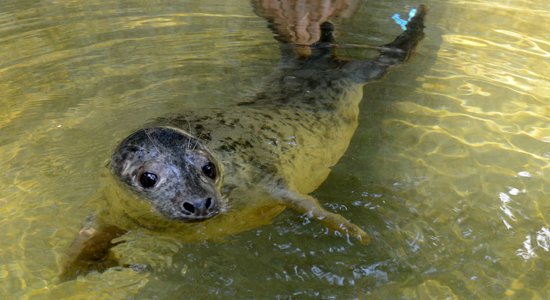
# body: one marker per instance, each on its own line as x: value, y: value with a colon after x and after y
x: 173, y: 171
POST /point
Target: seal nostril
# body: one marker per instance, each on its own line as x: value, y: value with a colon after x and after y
x: 208, y: 203
x: 188, y: 206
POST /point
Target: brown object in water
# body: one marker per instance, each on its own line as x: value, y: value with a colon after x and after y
x: 297, y: 22
x: 89, y: 251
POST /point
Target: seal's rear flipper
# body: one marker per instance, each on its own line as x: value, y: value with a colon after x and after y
x: 401, y: 48
x: 89, y: 250
x: 310, y: 206
x: 391, y: 54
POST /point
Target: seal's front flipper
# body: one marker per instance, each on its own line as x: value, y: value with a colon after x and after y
x: 309, y: 205
x: 89, y: 250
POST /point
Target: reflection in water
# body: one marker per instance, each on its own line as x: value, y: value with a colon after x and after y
x: 542, y: 238
x: 446, y: 146
x: 298, y: 21
x: 505, y: 199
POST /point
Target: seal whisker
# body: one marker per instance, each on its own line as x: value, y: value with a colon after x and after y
x: 189, y: 131
x: 150, y: 139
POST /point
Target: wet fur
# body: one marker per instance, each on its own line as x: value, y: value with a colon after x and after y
x: 274, y: 150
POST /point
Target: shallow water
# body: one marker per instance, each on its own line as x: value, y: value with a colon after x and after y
x: 448, y: 170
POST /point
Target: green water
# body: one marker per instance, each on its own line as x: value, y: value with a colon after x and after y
x: 448, y: 171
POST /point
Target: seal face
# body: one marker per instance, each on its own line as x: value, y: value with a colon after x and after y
x: 171, y: 170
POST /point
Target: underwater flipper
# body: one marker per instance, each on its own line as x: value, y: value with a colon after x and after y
x: 89, y: 250
x: 391, y: 54
x: 401, y: 22
x: 310, y: 206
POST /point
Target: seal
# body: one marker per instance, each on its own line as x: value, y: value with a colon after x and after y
x: 209, y: 173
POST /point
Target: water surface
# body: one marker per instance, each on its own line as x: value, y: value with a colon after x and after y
x: 448, y: 170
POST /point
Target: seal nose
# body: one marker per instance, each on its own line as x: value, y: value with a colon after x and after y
x: 198, y: 207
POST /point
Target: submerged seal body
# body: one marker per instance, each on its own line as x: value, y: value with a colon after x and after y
x: 279, y: 143
x: 212, y: 172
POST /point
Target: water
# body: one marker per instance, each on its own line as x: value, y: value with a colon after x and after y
x: 448, y: 170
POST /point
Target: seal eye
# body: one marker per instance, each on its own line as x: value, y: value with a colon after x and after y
x: 209, y: 170
x: 148, y: 180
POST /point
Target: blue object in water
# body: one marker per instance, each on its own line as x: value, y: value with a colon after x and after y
x: 401, y: 22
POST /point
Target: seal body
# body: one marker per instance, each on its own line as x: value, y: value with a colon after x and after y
x: 208, y: 173
x: 286, y: 139
x: 289, y: 138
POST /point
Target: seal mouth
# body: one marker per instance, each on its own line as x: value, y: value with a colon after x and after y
x: 187, y: 215
x: 188, y: 218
